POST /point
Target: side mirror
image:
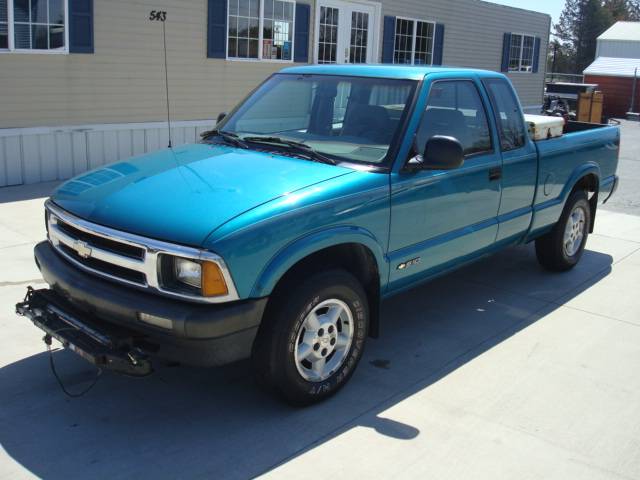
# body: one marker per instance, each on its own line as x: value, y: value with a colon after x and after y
x: 442, y: 153
x: 221, y: 116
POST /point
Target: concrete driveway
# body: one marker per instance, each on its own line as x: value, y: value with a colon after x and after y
x: 500, y: 370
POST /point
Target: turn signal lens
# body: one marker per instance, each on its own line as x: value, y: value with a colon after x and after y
x: 213, y: 283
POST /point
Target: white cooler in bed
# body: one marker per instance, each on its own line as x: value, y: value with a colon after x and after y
x: 542, y: 127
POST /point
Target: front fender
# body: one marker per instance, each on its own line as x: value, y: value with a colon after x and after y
x: 297, y: 250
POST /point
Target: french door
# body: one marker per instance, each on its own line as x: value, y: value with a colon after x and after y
x: 345, y: 32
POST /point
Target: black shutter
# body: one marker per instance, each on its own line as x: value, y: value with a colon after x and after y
x: 438, y: 44
x: 301, y: 37
x: 388, y: 39
x: 536, y: 56
x: 217, y: 29
x: 81, y: 26
x: 506, y: 49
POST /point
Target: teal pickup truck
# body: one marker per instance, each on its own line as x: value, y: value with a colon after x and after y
x: 327, y: 190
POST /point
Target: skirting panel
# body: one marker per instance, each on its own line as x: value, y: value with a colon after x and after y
x: 41, y: 154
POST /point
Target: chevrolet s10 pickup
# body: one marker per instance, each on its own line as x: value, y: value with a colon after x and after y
x: 327, y: 190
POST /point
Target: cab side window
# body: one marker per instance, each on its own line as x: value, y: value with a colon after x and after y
x: 509, y: 117
x: 455, y: 109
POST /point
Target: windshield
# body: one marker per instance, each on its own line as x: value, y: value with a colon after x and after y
x: 351, y: 119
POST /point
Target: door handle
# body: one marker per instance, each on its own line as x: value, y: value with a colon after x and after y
x: 495, y: 173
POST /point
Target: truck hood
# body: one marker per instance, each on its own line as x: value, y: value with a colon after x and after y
x: 181, y: 195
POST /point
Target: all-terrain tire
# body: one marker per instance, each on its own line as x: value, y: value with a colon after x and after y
x: 300, y: 319
x: 560, y: 249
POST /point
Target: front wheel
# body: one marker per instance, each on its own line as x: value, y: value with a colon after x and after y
x: 312, y: 337
x: 561, y: 248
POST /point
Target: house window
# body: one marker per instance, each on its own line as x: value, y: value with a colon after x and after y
x: 4, y: 25
x: 260, y: 29
x: 521, y: 53
x: 33, y: 25
x: 359, y: 33
x: 413, y: 42
x: 328, y: 36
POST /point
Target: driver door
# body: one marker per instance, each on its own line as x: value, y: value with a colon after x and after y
x: 440, y: 218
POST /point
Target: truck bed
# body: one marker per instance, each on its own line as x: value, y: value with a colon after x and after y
x: 583, y: 148
x: 572, y: 127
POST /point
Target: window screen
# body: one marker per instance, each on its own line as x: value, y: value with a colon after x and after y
x: 413, y: 42
x: 4, y: 24
x: 37, y: 24
x: 424, y: 43
x: 521, y: 53
x: 277, y: 31
x: 244, y: 26
x: 328, y: 35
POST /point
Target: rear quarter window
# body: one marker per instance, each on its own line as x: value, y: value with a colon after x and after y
x: 508, y: 114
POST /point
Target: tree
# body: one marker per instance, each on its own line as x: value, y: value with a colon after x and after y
x: 560, y: 58
x: 623, y: 10
x: 634, y: 10
x: 582, y: 21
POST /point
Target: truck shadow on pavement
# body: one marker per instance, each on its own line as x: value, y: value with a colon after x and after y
x: 187, y: 422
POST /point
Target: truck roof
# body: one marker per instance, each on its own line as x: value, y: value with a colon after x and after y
x: 408, y: 72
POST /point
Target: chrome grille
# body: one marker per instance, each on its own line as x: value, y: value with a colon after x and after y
x: 112, y: 246
x: 123, y: 257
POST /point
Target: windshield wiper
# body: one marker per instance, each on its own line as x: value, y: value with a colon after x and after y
x: 300, y: 148
x: 228, y: 137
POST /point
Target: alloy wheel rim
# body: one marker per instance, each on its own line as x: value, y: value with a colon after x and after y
x: 574, y: 231
x: 324, y: 340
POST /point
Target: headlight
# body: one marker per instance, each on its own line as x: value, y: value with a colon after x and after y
x: 188, y: 271
x: 203, y: 276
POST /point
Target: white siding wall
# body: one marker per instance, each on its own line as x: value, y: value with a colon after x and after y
x: 32, y: 155
x: 618, y: 49
x: 123, y: 81
x: 474, y: 32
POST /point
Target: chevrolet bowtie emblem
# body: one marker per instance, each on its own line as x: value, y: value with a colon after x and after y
x: 82, y: 248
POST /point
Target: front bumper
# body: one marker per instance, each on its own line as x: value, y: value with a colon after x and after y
x: 200, y: 334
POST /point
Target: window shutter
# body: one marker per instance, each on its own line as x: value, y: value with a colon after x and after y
x: 217, y: 29
x: 506, y: 48
x: 388, y: 39
x: 438, y: 44
x: 81, y: 26
x: 536, y: 55
x: 301, y: 37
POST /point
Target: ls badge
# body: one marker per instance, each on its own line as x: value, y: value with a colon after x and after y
x: 408, y: 263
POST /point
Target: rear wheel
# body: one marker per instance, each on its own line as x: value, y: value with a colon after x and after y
x: 312, y: 337
x: 561, y: 248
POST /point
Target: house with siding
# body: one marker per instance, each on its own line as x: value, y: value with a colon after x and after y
x: 82, y: 82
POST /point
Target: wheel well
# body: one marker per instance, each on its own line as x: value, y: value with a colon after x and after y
x: 355, y: 258
x: 590, y: 184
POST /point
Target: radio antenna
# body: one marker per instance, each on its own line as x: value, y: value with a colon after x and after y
x: 161, y: 16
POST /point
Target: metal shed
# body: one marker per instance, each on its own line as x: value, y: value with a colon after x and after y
x: 617, y: 61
